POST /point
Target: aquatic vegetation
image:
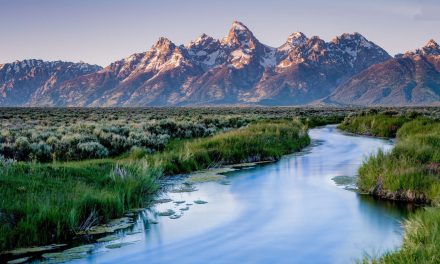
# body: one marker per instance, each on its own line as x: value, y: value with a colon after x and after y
x: 107, y: 238
x: 168, y: 212
x: 184, y: 188
x: 200, y: 202
x: 79, y: 249
x: 30, y: 250
x: 118, y: 245
x: 160, y: 201
x: 344, y: 180
x: 20, y: 260
x: 176, y: 216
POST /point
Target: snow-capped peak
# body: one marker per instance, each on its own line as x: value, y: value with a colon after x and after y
x: 239, y: 35
x: 237, y: 25
x: 355, y: 37
x: 295, y: 39
x: 431, y: 48
x: 164, y: 43
x: 432, y: 44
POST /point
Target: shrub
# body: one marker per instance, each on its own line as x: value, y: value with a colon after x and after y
x: 91, y: 150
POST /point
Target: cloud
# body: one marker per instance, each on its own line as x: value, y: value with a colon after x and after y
x: 428, y: 13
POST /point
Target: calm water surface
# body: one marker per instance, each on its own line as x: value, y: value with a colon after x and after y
x: 290, y: 211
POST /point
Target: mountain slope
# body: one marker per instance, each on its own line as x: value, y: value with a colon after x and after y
x: 310, y: 69
x: 412, y: 78
x: 22, y: 81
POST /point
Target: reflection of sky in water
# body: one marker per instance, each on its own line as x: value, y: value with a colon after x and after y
x: 285, y: 212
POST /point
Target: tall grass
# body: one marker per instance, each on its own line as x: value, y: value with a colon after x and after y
x: 44, y: 203
x: 410, y: 172
x: 260, y: 141
x: 380, y: 125
x: 420, y: 245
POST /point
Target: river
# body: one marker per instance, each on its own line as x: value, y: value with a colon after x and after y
x: 290, y: 211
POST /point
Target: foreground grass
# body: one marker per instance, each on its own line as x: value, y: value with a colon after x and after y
x: 410, y: 172
x: 421, y: 242
x: 46, y: 203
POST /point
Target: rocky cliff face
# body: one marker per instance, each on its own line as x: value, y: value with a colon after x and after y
x: 237, y: 69
x: 412, y: 78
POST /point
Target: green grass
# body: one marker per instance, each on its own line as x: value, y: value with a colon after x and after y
x: 44, y: 203
x: 257, y: 142
x: 421, y: 242
x: 47, y: 203
x: 380, y: 125
x: 409, y: 172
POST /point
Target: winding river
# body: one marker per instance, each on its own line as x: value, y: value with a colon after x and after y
x: 290, y: 211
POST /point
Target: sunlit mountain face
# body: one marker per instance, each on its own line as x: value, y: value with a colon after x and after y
x: 237, y: 69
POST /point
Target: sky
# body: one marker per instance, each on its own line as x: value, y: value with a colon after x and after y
x: 102, y: 31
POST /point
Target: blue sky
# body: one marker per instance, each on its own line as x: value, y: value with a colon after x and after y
x: 102, y: 31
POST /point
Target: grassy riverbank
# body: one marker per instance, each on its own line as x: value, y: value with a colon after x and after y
x: 410, y: 172
x: 263, y: 141
x: 50, y: 202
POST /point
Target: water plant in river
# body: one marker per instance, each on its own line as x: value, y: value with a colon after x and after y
x: 168, y: 212
x: 200, y: 202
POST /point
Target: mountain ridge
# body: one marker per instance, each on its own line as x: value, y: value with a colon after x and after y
x: 412, y: 78
x: 236, y: 69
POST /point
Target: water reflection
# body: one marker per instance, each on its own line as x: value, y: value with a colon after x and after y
x: 286, y: 212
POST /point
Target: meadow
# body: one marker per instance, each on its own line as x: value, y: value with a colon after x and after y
x: 64, y: 170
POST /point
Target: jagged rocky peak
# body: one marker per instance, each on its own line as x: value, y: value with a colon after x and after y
x: 163, y: 45
x: 203, y: 40
x: 352, y: 41
x: 205, y: 50
x: 431, y: 48
x: 296, y: 39
x: 239, y: 35
x: 24, y: 66
x: 203, y: 44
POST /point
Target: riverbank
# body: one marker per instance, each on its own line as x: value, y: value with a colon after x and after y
x: 47, y: 203
x: 410, y: 172
x: 272, y: 212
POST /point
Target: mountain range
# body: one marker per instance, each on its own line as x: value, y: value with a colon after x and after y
x: 237, y: 69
